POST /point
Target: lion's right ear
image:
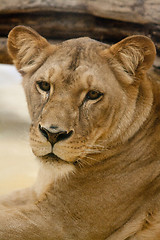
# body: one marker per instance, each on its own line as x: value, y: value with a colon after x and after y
x: 135, y: 53
x: 27, y: 48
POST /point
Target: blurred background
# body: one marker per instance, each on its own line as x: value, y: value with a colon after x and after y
x: 57, y: 20
x: 18, y: 168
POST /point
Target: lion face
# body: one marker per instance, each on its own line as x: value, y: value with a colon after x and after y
x: 83, y: 97
x: 72, y: 100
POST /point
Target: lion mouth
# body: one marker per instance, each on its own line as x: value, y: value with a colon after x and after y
x: 51, y: 157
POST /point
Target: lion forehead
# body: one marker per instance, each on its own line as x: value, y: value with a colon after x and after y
x: 82, y: 69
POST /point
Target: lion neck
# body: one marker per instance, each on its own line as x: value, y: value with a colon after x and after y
x: 116, y: 186
x: 124, y: 178
x: 49, y: 175
x: 141, y: 150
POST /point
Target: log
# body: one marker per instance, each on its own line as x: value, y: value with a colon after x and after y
x: 138, y: 11
x: 107, y: 21
x: 70, y: 25
x: 4, y: 57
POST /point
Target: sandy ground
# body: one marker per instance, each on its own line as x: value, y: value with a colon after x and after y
x: 18, y: 166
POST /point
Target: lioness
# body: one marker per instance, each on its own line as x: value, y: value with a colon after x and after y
x: 96, y: 130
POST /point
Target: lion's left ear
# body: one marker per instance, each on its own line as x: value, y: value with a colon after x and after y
x: 27, y: 48
x: 135, y: 53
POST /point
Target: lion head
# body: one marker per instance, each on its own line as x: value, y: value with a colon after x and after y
x: 84, y: 97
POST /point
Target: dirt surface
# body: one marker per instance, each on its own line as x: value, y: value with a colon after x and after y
x: 18, y: 166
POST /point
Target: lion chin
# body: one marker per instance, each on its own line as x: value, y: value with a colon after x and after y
x: 51, y: 157
x: 95, y: 127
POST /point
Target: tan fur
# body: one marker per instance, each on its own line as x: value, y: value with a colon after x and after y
x: 101, y: 183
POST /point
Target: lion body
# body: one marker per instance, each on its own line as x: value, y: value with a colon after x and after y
x: 101, y: 179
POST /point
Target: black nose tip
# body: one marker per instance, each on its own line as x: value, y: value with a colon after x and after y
x: 56, y: 136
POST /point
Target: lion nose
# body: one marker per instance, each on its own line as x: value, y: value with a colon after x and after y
x: 54, y: 134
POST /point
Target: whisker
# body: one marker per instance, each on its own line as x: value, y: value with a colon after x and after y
x: 92, y: 150
x: 80, y: 163
x: 37, y: 141
x: 93, y: 159
x: 96, y: 146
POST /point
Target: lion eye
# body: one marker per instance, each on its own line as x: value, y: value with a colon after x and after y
x: 44, y: 86
x: 93, y: 95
